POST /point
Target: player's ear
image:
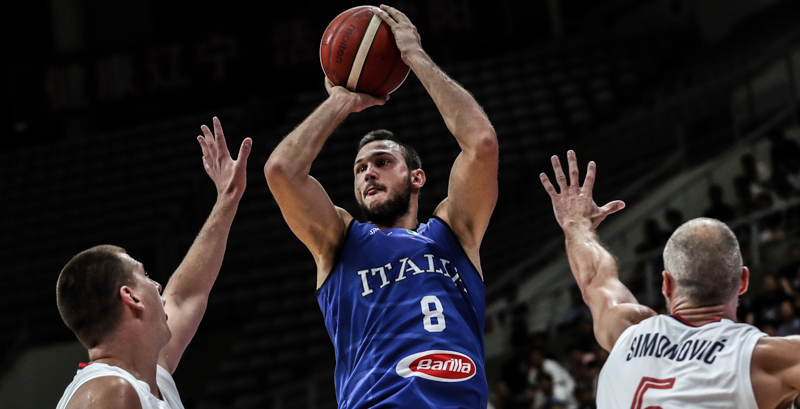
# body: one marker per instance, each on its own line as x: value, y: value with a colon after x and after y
x: 418, y: 178
x: 745, y: 280
x: 130, y: 298
x: 668, y: 285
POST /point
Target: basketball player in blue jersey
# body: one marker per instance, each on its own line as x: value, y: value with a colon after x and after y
x: 403, y: 301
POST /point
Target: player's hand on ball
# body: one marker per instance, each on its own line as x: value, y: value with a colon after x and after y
x: 229, y: 176
x: 358, y: 101
x: 405, y: 33
x: 574, y: 205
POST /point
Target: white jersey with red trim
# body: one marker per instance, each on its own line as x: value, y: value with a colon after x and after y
x: 169, y: 391
x: 665, y: 362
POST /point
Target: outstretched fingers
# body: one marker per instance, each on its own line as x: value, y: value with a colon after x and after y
x: 561, y: 179
x: 244, y: 151
x: 547, y: 185
x: 603, y: 212
x: 208, y: 135
x: 612, y: 207
x: 588, y: 183
x: 220, y: 135
x: 203, y: 145
x: 572, y: 165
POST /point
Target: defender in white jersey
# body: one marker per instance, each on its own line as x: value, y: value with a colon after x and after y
x: 697, y: 357
x: 136, y: 337
x: 170, y: 398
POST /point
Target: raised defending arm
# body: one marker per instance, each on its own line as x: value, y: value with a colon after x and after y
x: 472, y: 192
x: 305, y: 205
x: 188, y: 289
x: 614, y: 308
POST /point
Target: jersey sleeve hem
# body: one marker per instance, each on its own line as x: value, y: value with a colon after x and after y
x: 747, y: 394
x: 450, y: 229
x: 338, y: 257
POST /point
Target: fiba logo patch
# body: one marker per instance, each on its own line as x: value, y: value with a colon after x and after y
x: 437, y: 365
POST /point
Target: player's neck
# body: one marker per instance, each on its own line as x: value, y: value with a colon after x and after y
x: 406, y: 221
x: 698, y: 316
x: 130, y: 354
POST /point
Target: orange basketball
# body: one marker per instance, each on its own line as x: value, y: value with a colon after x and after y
x: 358, y: 52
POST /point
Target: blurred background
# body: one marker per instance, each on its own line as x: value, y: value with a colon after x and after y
x: 689, y: 108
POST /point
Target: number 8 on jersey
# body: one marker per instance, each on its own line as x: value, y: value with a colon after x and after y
x: 437, y: 312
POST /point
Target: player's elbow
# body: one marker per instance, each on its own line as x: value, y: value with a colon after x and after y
x: 486, y: 145
x: 277, y: 170
x: 273, y: 168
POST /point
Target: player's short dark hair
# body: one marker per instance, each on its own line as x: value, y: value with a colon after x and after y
x: 87, y: 292
x: 413, y: 161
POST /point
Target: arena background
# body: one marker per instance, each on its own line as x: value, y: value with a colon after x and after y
x: 104, y: 100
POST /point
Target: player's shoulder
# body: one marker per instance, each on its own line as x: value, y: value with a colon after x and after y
x: 775, y: 369
x: 347, y: 218
x: 347, y: 223
x: 627, y: 315
x: 776, y: 353
x: 619, y: 319
x: 105, y: 392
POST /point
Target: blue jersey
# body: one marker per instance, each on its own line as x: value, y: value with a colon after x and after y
x: 405, y: 311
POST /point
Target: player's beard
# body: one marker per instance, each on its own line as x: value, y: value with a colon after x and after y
x: 387, y: 213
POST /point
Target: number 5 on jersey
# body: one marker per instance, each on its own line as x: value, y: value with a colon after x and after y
x: 436, y: 313
x: 650, y: 383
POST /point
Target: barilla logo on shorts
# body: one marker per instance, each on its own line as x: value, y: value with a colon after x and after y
x: 436, y: 365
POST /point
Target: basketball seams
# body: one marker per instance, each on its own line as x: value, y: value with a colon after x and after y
x: 366, y: 67
x: 355, y: 10
x: 389, y: 75
x: 371, y: 43
x: 363, y: 48
x: 408, y: 71
x: 397, y: 57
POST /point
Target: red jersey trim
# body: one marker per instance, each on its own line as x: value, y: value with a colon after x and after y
x: 682, y: 320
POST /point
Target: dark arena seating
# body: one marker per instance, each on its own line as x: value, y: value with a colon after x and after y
x: 645, y: 103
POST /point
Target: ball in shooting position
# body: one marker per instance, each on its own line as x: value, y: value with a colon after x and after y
x: 358, y: 52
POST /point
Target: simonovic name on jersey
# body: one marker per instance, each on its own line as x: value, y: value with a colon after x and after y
x: 391, y: 273
x: 659, y: 346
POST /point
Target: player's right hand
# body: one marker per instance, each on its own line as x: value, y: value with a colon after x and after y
x: 229, y: 176
x: 574, y: 205
x: 405, y: 33
x: 357, y: 101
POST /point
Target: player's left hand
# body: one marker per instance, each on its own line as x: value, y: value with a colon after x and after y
x: 574, y: 204
x: 405, y: 33
x: 357, y: 100
x: 229, y: 176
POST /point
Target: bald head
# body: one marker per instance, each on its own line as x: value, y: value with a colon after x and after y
x: 703, y: 257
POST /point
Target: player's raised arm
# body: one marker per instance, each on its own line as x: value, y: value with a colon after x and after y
x: 187, y: 291
x: 472, y: 192
x: 614, y: 308
x: 305, y: 205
